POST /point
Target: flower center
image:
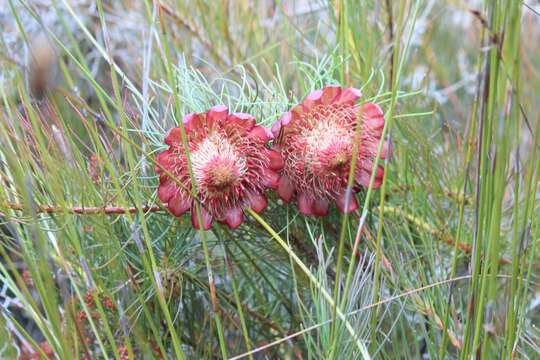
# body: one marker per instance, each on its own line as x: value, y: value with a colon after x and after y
x: 217, y: 167
x: 222, y: 174
x: 329, y: 148
x: 338, y: 159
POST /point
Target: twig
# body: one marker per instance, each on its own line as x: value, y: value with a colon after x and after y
x: 82, y: 210
x: 453, y: 195
x: 421, y: 224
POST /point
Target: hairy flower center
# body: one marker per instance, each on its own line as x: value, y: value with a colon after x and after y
x: 222, y: 174
x: 217, y: 166
x: 338, y: 159
x: 328, y: 147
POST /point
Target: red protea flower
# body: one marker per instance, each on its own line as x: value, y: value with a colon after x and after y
x: 231, y: 164
x: 316, y: 140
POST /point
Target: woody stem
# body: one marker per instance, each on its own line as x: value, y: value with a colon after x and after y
x: 83, y: 210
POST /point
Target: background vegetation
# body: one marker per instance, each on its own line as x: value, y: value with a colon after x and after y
x: 441, y: 262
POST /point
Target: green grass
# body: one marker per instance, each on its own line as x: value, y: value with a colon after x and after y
x: 441, y: 261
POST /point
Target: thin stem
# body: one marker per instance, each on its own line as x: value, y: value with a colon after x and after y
x: 213, y: 296
x: 237, y: 298
x: 84, y: 210
x: 313, y: 279
x: 364, y: 308
x: 344, y: 227
x: 398, y: 64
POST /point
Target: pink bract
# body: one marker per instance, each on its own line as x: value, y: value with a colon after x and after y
x: 316, y: 140
x: 232, y: 167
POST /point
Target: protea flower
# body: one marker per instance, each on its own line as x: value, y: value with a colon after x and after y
x: 316, y: 140
x: 231, y: 164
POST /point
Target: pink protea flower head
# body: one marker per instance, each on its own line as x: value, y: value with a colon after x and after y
x: 317, y: 140
x: 231, y: 164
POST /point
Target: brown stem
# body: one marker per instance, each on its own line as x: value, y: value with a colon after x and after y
x: 91, y: 210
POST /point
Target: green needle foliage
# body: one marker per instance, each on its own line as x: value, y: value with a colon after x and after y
x: 440, y: 262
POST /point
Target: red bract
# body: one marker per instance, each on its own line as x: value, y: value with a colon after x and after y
x: 316, y: 140
x: 231, y: 164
